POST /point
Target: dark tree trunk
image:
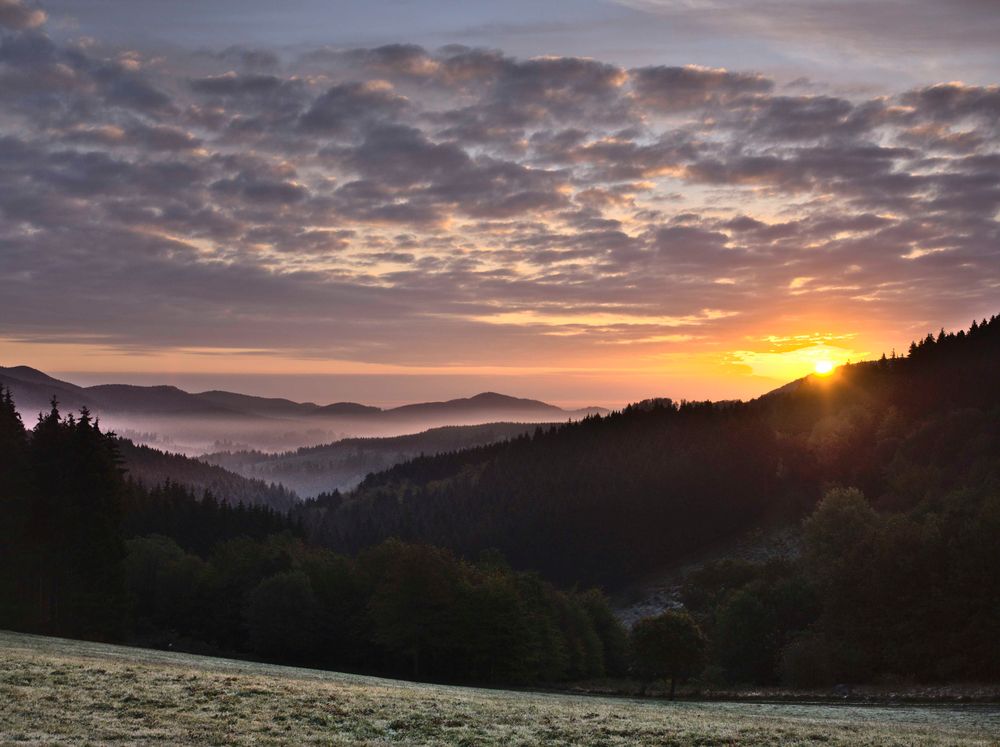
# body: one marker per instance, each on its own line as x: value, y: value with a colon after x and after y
x: 673, y: 687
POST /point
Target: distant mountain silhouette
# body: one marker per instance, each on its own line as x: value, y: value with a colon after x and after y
x: 271, y: 407
x: 32, y: 375
x: 34, y: 389
x: 158, y: 400
x: 348, y: 409
x: 487, y: 401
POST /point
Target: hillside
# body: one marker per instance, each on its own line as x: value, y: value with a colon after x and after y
x: 152, y: 467
x: 611, y: 499
x: 343, y: 464
x: 57, y: 691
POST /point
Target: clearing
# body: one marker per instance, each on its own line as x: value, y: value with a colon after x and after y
x: 54, y: 690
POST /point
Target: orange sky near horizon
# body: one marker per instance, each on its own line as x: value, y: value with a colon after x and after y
x: 690, y: 369
x: 390, y: 215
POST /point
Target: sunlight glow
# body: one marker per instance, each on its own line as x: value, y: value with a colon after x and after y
x: 824, y: 368
x: 783, y: 364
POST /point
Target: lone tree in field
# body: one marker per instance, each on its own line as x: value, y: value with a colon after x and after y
x: 669, y: 646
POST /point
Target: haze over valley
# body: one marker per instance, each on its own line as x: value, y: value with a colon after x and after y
x: 199, y: 423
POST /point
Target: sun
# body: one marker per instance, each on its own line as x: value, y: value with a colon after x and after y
x: 824, y: 367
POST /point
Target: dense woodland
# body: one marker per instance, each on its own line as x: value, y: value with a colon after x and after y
x: 86, y: 552
x: 892, y: 468
x: 343, y: 464
x: 153, y: 467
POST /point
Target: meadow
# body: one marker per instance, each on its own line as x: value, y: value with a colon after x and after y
x: 55, y: 690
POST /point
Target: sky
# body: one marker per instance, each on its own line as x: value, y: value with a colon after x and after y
x: 584, y: 201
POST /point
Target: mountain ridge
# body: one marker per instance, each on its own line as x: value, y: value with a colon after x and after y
x: 34, y: 388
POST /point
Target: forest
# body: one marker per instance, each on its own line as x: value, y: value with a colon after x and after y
x: 88, y: 553
x: 341, y: 465
x: 153, y: 467
x: 484, y: 565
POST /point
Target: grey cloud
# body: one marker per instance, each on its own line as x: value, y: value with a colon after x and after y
x: 955, y: 101
x: 812, y: 118
x: 260, y: 189
x: 18, y: 15
x: 442, y: 175
x: 234, y: 84
x: 250, y: 59
x: 404, y: 156
x: 392, y: 61
x: 163, y: 137
x: 138, y: 135
x: 348, y: 106
x: 673, y: 89
x: 290, y: 240
x: 125, y: 88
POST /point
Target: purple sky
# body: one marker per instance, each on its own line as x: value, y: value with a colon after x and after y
x: 586, y: 201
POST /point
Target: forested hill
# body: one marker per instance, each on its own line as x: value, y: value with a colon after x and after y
x: 610, y: 498
x: 152, y: 467
x: 343, y: 464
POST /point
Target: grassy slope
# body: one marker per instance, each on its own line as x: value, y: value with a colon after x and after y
x: 54, y: 690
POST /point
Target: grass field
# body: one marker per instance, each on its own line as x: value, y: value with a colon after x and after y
x: 53, y: 690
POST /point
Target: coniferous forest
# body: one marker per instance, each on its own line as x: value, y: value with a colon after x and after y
x: 492, y: 564
x: 87, y: 552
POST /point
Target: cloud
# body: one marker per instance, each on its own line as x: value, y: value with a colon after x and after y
x: 19, y: 15
x: 426, y: 207
x: 848, y: 28
x: 346, y: 107
x: 234, y: 84
x: 673, y: 89
x: 948, y: 102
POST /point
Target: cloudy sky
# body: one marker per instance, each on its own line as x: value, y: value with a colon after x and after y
x: 586, y: 201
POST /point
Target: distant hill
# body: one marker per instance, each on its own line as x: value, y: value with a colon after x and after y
x: 33, y: 389
x: 343, y: 464
x: 490, y: 401
x: 347, y: 409
x: 158, y: 400
x: 271, y: 407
